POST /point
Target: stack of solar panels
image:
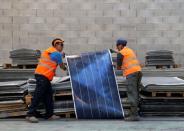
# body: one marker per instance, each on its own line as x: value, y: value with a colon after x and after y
x: 25, y: 56
x: 162, y: 96
x: 16, y: 74
x: 11, y: 99
x: 62, y: 94
x: 122, y: 85
x: 159, y: 58
x: 150, y: 72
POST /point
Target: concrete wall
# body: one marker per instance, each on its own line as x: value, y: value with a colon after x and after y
x: 88, y: 25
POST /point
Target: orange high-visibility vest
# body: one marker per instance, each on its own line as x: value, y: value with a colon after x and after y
x: 130, y: 63
x: 46, y: 66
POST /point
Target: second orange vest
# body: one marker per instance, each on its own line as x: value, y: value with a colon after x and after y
x: 130, y: 62
x: 46, y: 66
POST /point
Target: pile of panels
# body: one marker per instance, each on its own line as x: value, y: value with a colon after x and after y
x: 160, y: 84
x: 160, y: 104
x: 150, y: 72
x: 159, y: 58
x: 11, y: 99
x: 162, y: 96
x: 62, y: 94
x: 122, y: 85
x: 121, y: 81
x: 25, y: 56
x: 16, y: 74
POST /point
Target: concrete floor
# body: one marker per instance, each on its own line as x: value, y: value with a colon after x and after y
x: 146, y: 124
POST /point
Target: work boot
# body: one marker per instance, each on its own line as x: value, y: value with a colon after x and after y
x: 32, y: 119
x: 54, y: 117
x: 38, y: 114
x: 133, y: 114
x: 132, y: 118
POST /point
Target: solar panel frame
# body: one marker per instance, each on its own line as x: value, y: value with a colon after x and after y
x: 90, y: 59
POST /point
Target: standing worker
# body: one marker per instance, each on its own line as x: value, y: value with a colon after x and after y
x: 127, y: 61
x: 44, y: 73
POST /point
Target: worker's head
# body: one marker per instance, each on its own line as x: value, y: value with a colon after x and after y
x: 58, y: 44
x: 120, y: 44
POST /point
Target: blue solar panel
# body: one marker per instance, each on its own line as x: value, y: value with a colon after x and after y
x: 94, y: 86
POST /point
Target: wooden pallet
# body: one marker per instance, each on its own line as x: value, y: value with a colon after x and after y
x: 27, y: 66
x: 167, y: 94
x: 23, y: 107
x: 7, y: 66
x: 13, y: 114
x: 168, y: 66
x: 28, y: 99
x: 64, y: 93
x: 67, y: 114
x: 161, y: 97
x: 150, y: 114
x: 11, y: 66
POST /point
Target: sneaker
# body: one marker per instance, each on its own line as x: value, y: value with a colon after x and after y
x: 132, y: 118
x: 54, y: 117
x: 32, y: 119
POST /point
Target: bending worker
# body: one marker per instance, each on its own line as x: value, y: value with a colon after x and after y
x: 44, y: 73
x: 127, y: 61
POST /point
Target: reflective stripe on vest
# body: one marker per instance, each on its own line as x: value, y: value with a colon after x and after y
x: 47, y: 60
x: 129, y: 59
x: 47, y: 66
x: 130, y: 66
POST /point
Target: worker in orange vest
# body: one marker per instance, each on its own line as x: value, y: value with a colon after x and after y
x: 127, y: 61
x: 44, y: 73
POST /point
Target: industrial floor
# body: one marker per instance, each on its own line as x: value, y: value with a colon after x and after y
x: 146, y: 124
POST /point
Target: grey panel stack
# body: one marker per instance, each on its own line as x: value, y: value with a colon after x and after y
x: 16, y: 74
x: 150, y: 72
x: 162, y: 96
x: 159, y: 58
x: 61, y: 84
x: 161, y: 104
x: 159, y: 84
x: 25, y: 56
x: 122, y: 85
x: 11, y: 99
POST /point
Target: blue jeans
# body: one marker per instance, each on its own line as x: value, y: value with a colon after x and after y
x: 43, y: 93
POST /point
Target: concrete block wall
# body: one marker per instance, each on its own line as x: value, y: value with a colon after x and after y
x: 88, y: 25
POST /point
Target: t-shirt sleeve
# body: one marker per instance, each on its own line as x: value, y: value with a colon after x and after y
x: 57, y: 57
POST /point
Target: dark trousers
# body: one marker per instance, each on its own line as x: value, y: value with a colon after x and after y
x: 43, y: 93
x: 134, y: 84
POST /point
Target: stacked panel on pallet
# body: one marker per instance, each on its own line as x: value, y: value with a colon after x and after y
x: 150, y: 72
x: 62, y: 95
x: 25, y: 56
x: 158, y: 94
x: 11, y: 99
x: 16, y: 74
x: 122, y: 85
x: 162, y: 96
x: 159, y: 58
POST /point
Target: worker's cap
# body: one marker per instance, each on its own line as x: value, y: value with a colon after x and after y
x: 121, y: 41
x: 57, y: 40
